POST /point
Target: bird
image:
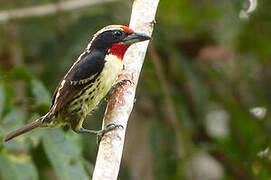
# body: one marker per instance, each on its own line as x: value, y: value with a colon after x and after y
x: 88, y: 81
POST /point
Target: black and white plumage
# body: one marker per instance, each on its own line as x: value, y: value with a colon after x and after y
x: 88, y: 81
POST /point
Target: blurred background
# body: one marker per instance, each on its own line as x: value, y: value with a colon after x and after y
x: 202, y: 103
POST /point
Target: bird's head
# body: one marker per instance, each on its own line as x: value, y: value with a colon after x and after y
x: 116, y: 39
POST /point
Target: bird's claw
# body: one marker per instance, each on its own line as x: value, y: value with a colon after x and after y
x: 117, y: 84
x: 108, y: 128
x: 120, y: 82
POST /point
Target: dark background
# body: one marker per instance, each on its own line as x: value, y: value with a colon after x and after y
x: 202, y: 103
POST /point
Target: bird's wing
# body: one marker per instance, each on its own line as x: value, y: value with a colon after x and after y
x: 83, y: 72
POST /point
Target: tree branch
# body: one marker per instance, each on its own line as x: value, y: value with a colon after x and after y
x: 47, y: 9
x: 120, y: 103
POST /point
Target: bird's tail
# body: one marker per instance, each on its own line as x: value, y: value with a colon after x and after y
x: 24, y: 129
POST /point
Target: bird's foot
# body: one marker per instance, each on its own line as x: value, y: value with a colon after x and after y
x: 100, y: 133
x: 117, y: 84
x: 120, y: 82
x: 108, y: 128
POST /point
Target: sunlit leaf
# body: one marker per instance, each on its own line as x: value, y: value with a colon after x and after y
x: 35, y: 135
x: 18, y: 166
x: 65, y: 155
x: 40, y: 93
x: 12, y: 121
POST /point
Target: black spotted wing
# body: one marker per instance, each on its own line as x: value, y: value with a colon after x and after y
x: 83, y: 72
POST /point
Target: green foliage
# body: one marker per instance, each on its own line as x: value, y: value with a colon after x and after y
x: 12, y: 166
x: 40, y: 94
x: 63, y: 150
x: 217, y: 69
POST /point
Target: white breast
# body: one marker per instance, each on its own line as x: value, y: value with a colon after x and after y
x: 108, y: 76
x: 111, y: 70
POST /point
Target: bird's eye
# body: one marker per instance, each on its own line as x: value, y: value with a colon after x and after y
x: 117, y: 34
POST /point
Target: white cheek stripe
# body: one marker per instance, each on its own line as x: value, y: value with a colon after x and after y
x: 110, y: 71
x: 87, y: 50
x: 107, y: 28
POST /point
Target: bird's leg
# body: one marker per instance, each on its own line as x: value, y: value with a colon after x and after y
x: 115, y: 85
x: 99, y: 133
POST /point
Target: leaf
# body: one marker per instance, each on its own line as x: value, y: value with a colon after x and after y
x: 65, y: 155
x: 19, y: 73
x: 35, y: 136
x: 12, y: 121
x: 40, y: 93
x: 14, y: 158
x: 18, y: 166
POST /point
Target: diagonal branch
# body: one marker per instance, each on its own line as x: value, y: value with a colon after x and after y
x: 121, y: 102
x: 47, y: 9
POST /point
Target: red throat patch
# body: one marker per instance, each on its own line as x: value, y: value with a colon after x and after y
x: 119, y: 50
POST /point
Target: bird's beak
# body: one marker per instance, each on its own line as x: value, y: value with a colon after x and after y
x: 135, y: 37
